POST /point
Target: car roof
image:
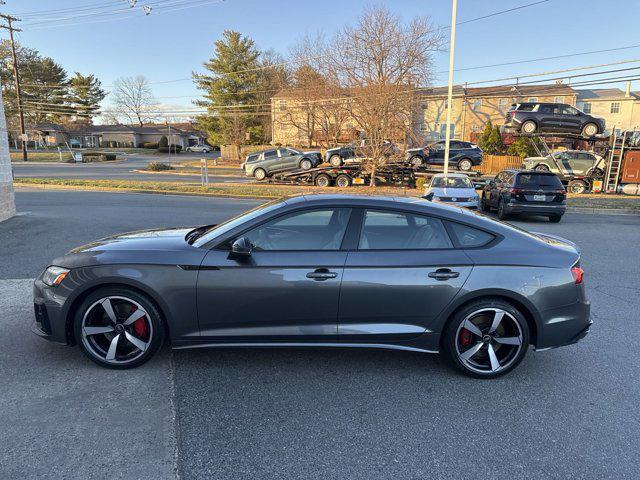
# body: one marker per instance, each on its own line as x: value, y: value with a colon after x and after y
x: 451, y: 175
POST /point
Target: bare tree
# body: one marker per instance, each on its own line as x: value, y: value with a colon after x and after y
x: 380, y: 62
x: 132, y: 99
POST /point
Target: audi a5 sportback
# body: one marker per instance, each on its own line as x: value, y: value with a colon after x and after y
x: 338, y: 271
x: 552, y: 118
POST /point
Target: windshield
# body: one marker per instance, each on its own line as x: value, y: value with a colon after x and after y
x: 451, y: 182
x: 230, y: 224
x: 538, y: 180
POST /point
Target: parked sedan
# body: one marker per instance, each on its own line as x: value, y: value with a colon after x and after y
x: 356, y: 152
x: 453, y: 188
x: 533, y: 117
x: 264, y: 164
x: 321, y: 270
x: 462, y: 155
x: 199, y: 148
x: 525, y: 192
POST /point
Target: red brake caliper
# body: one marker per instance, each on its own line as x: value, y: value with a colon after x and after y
x: 465, y: 337
x: 140, y: 327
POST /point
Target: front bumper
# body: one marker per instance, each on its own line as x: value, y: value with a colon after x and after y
x: 535, y: 209
x: 49, y: 321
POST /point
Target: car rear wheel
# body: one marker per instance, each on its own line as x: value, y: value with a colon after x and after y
x: 577, y: 186
x: 343, y: 181
x: 589, y: 130
x: 416, y: 161
x: 259, y: 174
x: 323, y: 180
x: 541, y: 168
x: 555, y: 218
x: 486, y: 339
x: 335, y: 160
x: 502, y: 213
x: 118, y: 327
x: 305, y: 164
x: 484, y: 205
x: 465, y: 165
x: 529, y: 126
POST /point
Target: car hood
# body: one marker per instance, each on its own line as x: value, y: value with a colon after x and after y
x: 156, y: 239
x: 453, y: 192
x: 533, y: 159
x: 335, y: 149
x: 312, y: 152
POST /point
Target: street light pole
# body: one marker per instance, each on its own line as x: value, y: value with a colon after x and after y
x: 452, y: 44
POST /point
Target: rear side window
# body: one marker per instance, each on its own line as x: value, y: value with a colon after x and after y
x: 537, y: 180
x: 526, y: 107
x: 386, y: 230
x: 469, y: 237
x: 270, y: 154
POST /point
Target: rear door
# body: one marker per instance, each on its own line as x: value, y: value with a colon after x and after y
x: 402, y: 275
x: 570, y: 120
x: 548, y: 117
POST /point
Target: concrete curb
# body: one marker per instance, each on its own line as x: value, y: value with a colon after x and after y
x: 603, y: 211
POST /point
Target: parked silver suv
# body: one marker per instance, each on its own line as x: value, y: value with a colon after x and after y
x: 264, y: 164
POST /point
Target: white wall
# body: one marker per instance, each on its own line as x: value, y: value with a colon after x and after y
x: 7, y: 202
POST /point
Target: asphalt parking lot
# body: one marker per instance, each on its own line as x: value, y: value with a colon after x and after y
x: 330, y: 414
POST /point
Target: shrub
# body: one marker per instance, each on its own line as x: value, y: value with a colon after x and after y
x: 159, y: 167
x: 164, y: 142
x: 522, y: 147
x: 152, y: 145
x: 420, y: 183
x: 170, y: 149
x: 89, y: 157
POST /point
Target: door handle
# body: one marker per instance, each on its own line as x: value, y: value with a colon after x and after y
x: 321, y: 274
x: 443, y: 274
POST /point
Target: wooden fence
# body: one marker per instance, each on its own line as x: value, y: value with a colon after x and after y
x: 492, y: 164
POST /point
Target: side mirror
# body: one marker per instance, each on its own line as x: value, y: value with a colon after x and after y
x: 241, y: 248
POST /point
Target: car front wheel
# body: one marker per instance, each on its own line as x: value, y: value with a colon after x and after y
x: 259, y: 174
x: 465, y: 165
x: 416, y: 161
x: 486, y: 339
x: 305, y: 164
x: 589, y: 130
x: 118, y: 327
x: 335, y: 160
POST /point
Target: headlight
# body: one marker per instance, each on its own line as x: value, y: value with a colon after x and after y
x: 52, y: 276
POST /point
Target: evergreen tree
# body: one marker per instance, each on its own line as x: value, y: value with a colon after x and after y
x: 85, y: 94
x: 522, y: 147
x: 495, y: 143
x: 483, y: 140
x: 231, y: 89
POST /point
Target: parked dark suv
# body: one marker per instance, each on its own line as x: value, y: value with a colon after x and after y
x: 462, y: 155
x: 525, y: 191
x: 551, y: 117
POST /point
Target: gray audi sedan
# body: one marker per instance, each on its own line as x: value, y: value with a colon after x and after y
x: 322, y: 270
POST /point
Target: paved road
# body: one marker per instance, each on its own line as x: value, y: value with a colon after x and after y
x: 119, y: 170
x: 566, y: 413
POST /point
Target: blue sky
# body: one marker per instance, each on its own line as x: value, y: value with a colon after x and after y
x: 168, y: 45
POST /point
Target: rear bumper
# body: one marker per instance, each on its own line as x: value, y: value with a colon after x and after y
x: 534, y: 209
x: 564, y: 325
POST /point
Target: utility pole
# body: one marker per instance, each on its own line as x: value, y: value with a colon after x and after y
x: 454, y: 7
x: 16, y: 76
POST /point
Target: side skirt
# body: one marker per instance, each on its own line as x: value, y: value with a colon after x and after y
x: 303, y: 344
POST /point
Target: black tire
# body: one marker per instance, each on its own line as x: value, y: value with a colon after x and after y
x: 529, y: 127
x: 484, y: 205
x: 577, y: 186
x: 465, y: 165
x: 259, y: 174
x: 343, y: 181
x: 416, y: 161
x: 323, y: 180
x: 590, y: 130
x: 157, y: 330
x: 502, y: 214
x: 597, y: 173
x: 305, y: 164
x: 335, y: 160
x: 481, y: 309
x: 541, y: 168
x: 555, y: 218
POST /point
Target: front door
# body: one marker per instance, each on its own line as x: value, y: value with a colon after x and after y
x: 287, y: 290
x: 403, y: 274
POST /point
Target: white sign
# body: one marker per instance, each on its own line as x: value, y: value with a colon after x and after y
x: 78, y: 157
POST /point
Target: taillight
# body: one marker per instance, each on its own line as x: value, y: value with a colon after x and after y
x: 516, y: 190
x: 577, y: 273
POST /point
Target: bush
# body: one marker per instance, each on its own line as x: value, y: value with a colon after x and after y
x: 152, y: 145
x: 89, y: 157
x: 522, y: 147
x: 420, y: 183
x: 159, y: 167
x: 164, y: 142
x: 170, y: 149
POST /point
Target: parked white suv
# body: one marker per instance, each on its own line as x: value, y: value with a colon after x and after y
x: 199, y: 148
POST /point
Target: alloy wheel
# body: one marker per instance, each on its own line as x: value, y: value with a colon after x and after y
x: 116, y: 330
x: 465, y: 165
x: 488, y: 341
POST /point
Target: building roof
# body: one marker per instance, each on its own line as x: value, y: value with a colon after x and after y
x: 604, y: 94
x: 503, y: 90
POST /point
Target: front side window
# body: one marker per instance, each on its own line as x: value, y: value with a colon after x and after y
x: 568, y: 110
x: 270, y: 154
x: 307, y: 230
x: 387, y: 230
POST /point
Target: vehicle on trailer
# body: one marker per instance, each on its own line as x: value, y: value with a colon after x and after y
x: 321, y: 271
x: 568, y: 164
x: 535, y: 117
x: 261, y: 165
x: 453, y: 188
x: 462, y: 155
x: 525, y: 192
x: 392, y: 174
x: 356, y: 152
